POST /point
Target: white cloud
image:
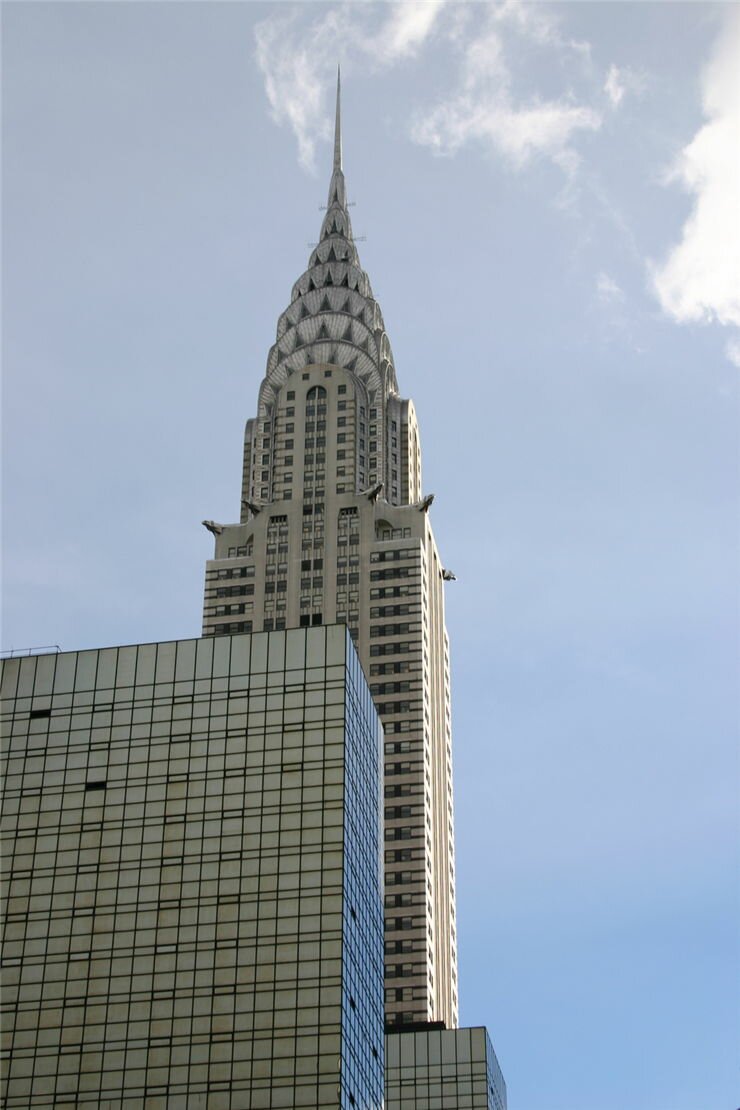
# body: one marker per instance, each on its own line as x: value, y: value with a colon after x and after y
x: 620, y: 80
x: 295, y: 80
x: 298, y: 55
x: 406, y: 28
x: 700, y: 279
x: 539, y: 24
x: 732, y: 351
x: 613, y: 86
x: 607, y: 289
x: 483, y: 108
x: 518, y: 133
x: 298, y: 59
x: 534, y: 21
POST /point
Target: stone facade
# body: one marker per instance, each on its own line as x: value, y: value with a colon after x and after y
x: 334, y: 527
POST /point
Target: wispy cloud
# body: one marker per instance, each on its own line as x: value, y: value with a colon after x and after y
x: 533, y: 21
x: 607, y: 289
x: 614, y: 87
x: 621, y: 80
x: 483, y: 108
x: 517, y: 132
x: 699, y: 281
x: 406, y: 29
x: 296, y: 61
x: 732, y: 352
x: 298, y: 58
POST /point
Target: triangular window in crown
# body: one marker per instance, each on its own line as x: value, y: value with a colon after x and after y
x: 324, y: 332
x: 348, y: 333
x: 331, y: 256
x: 304, y: 311
x: 325, y: 306
x: 328, y: 279
x: 345, y: 281
x: 352, y: 364
x: 346, y: 306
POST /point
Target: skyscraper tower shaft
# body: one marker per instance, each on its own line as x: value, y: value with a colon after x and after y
x: 334, y: 527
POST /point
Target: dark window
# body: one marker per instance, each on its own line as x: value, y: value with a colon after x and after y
x: 392, y: 812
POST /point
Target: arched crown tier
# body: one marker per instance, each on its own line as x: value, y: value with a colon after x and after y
x: 333, y: 316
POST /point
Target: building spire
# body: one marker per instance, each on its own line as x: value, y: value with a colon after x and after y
x: 336, y: 220
x: 338, y: 125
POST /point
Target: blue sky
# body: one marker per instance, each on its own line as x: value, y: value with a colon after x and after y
x: 550, y: 199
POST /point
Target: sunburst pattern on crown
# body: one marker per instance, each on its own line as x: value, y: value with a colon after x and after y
x: 333, y: 317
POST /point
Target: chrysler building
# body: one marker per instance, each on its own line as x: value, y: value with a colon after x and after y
x: 335, y: 527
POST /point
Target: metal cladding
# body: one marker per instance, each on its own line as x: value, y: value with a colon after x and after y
x: 333, y: 317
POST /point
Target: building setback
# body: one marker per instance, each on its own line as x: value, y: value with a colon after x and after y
x: 334, y: 527
x: 192, y: 876
x: 442, y: 1069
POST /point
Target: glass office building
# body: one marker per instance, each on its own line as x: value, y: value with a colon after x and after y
x: 192, y: 874
x: 443, y: 1069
